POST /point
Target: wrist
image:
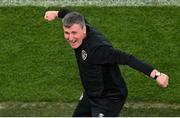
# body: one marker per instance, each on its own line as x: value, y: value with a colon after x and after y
x: 155, y: 74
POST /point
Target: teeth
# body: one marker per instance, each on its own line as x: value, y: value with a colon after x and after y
x: 74, y: 40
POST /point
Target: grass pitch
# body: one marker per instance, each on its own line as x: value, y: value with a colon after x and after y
x: 37, y: 64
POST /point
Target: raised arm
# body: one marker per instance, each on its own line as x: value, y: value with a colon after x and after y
x: 51, y: 15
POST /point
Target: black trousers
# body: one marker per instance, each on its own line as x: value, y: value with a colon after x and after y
x: 85, y: 108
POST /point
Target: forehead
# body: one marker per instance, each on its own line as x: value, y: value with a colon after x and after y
x: 74, y: 27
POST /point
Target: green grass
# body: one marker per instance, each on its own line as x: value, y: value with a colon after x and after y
x: 149, y: 112
x: 37, y: 64
x: 61, y: 109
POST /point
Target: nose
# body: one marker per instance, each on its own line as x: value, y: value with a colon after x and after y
x: 70, y: 37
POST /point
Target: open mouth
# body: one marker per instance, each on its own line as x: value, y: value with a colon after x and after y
x: 73, y: 41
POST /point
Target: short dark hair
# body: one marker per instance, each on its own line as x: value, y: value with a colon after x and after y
x: 73, y: 18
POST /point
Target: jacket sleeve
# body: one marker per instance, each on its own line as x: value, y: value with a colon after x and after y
x: 109, y: 55
x: 62, y: 12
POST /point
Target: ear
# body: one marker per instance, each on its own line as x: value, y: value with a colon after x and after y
x: 84, y: 29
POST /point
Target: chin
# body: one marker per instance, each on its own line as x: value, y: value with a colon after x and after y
x: 74, y: 47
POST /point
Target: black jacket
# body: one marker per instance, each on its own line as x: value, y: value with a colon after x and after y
x: 98, y: 66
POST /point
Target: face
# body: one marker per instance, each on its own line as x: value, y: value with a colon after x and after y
x: 74, y: 35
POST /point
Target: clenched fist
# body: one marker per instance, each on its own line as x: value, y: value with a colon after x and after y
x: 162, y: 80
x: 50, y: 15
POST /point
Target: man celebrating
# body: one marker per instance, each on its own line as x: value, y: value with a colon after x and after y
x: 105, y: 90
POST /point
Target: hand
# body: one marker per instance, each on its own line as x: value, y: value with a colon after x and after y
x: 50, y: 15
x: 162, y: 80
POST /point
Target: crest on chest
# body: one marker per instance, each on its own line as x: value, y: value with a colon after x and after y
x: 84, y: 54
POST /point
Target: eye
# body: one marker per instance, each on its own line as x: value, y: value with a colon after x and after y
x: 74, y: 32
x: 66, y: 33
